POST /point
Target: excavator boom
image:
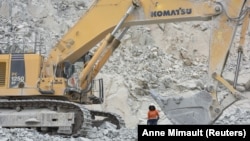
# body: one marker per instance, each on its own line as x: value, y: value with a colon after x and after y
x: 96, y: 24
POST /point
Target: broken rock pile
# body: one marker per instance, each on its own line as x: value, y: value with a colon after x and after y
x: 106, y: 132
x: 170, y: 58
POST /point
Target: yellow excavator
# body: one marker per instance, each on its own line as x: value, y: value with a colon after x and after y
x: 43, y: 92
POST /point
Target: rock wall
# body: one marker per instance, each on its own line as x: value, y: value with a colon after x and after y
x: 170, y: 58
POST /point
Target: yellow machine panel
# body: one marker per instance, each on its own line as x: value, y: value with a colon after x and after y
x: 4, y: 71
x: 19, y: 74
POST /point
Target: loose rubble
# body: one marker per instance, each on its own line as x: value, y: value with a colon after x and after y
x: 106, y: 132
x: 170, y: 58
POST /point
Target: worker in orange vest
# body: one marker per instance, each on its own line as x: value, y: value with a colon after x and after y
x: 153, y: 115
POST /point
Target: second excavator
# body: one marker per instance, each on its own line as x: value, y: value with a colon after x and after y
x: 42, y: 92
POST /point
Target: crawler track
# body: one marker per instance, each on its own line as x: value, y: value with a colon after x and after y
x: 84, y: 118
x: 110, y: 117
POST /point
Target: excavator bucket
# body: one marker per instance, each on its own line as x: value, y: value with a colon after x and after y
x: 186, y: 109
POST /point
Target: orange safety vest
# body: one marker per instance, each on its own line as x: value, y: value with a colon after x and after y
x: 153, y: 114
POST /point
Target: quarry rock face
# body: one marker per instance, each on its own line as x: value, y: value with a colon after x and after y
x: 171, y: 58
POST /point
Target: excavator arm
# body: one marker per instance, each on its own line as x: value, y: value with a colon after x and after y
x: 105, y: 15
x: 105, y: 19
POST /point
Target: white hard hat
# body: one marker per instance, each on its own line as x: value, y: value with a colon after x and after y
x: 152, y: 104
